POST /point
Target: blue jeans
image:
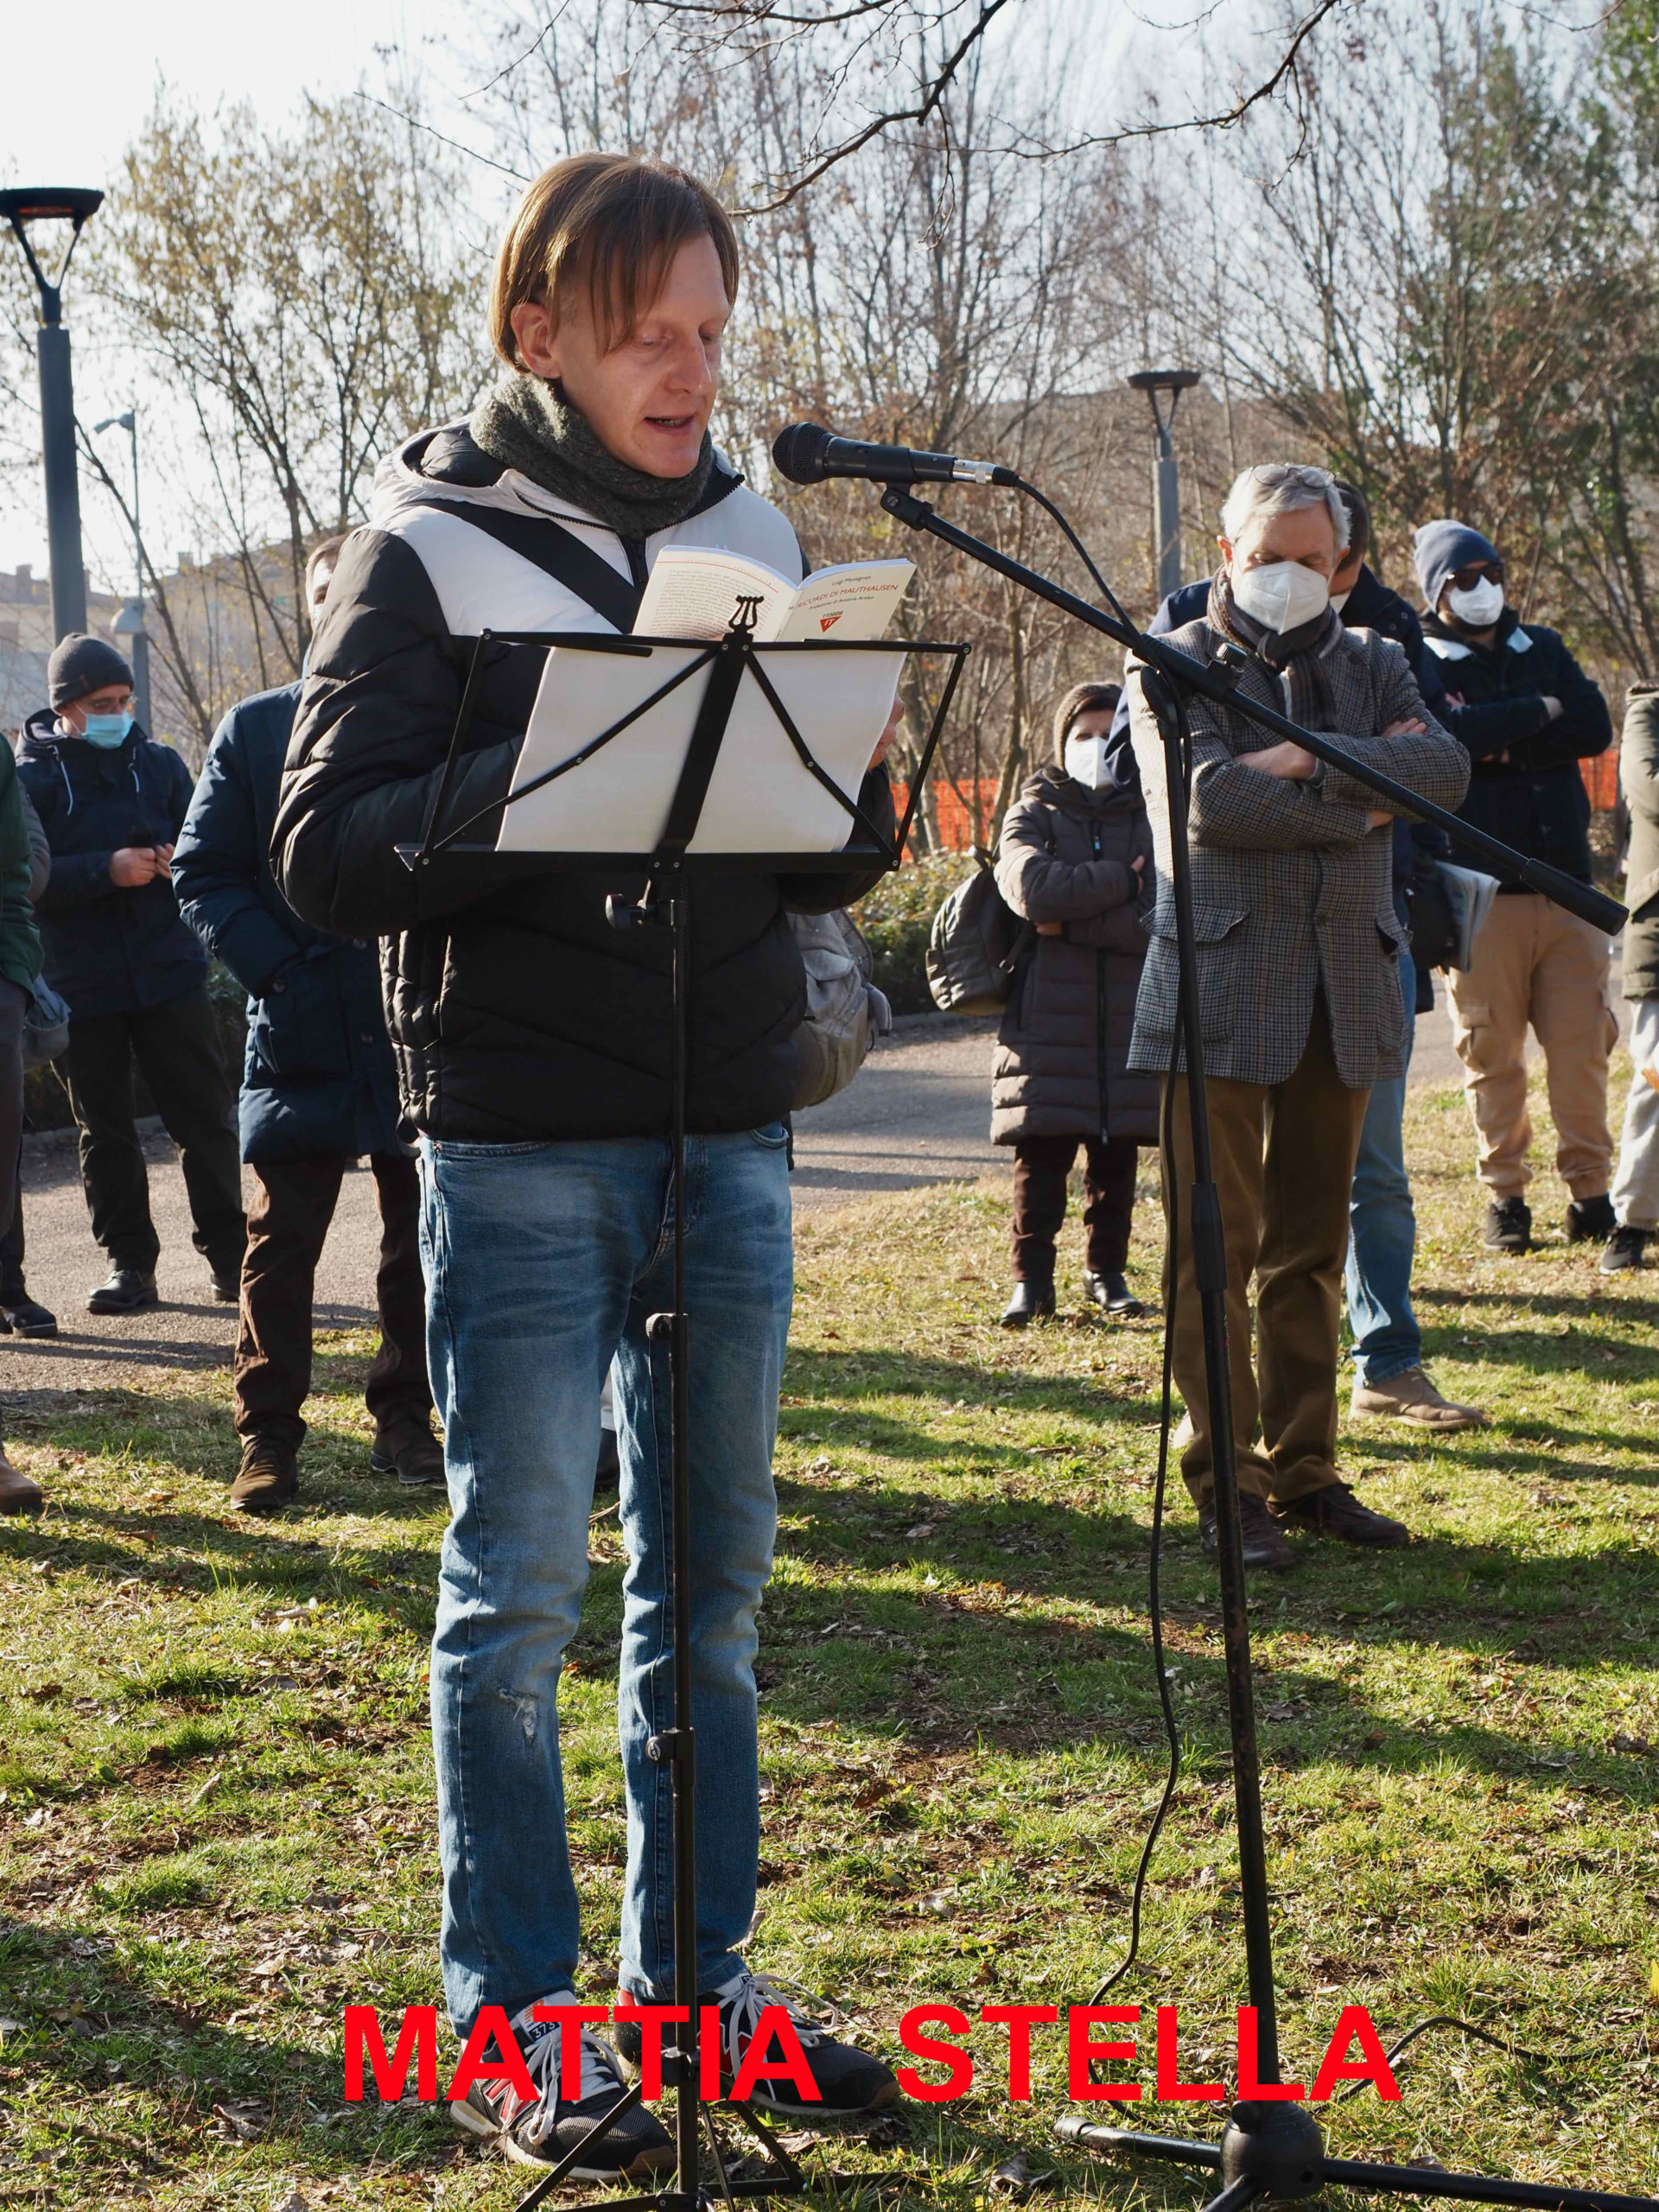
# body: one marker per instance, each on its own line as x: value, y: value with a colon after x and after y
x: 543, y: 1261
x: 1382, y: 1229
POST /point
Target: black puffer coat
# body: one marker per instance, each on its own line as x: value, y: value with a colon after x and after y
x: 1066, y: 855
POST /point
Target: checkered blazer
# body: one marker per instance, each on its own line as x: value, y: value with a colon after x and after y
x: 1291, y: 887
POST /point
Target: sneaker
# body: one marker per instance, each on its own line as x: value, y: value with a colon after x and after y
x: 416, y: 1458
x: 1264, y: 1545
x: 1411, y: 1396
x: 1032, y: 1302
x: 128, y: 1291
x: 269, y: 1478
x: 1625, y: 1248
x: 21, y: 1317
x: 1112, y: 1294
x: 1590, y: 1220
x: 849, y: 2080
x: 1335, y: 1511
x: 541, y: 2132
x: 1508, y: 1226
x: 19, y: 1493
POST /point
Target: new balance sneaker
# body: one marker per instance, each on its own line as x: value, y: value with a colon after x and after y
x: 848, y: 2080
x: 1626, y: 1247
x: 545, y: 2130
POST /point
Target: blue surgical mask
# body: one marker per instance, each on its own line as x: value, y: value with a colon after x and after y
x: 108, y: 730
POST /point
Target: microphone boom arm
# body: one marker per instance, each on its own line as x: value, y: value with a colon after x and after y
x: 1211, y: 682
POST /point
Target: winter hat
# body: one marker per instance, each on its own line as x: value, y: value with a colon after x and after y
x: 1440, y: 549
x: 80, y: 664
x: 1082, y: 699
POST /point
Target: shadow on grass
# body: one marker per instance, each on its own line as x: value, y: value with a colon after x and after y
x: 83, y: 2017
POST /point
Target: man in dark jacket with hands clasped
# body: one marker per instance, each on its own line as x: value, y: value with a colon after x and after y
x: 319, y: 1091
x: 111, y: 801
x: 1526, y: 714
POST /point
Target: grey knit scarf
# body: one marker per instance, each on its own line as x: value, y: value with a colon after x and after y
x: 524, y: 423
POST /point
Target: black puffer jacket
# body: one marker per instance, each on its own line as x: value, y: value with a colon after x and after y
x: 1526, y: 787
x: 1066, y: 855
x: 518, y: 1015
x: 109, y: 948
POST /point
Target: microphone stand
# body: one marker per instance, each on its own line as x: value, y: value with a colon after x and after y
x: 1269, y: 2148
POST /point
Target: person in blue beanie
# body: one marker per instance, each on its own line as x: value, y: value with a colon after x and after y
x: 1527, y: 715
x: 111, y: 801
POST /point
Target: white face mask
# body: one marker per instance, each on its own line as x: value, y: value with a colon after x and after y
x: 1087, y: 760
x: 1340, y: 599
x: 1480, y: 607
x: 1280, y: 594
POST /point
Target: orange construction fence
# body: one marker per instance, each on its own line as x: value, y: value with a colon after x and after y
x: 1601, y: 779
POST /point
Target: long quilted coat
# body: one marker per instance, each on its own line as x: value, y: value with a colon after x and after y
x: 1066, y: 855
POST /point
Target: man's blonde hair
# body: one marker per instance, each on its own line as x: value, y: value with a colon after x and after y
x: 608, y: 224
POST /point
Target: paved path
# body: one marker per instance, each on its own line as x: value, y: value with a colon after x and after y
x: 917, y: 1114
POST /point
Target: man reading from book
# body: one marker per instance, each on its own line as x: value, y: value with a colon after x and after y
x: 533, y: 1044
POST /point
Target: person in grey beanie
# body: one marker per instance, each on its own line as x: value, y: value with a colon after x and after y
x: 1526, y: 714
x: 110, y: 802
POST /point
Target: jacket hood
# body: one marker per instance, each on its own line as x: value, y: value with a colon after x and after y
x: 1507, y: 623
x: 42, y: 740
x: 1055, y: 788
x: 448, y: 463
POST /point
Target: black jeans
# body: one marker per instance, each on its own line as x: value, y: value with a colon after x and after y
x: 286, y: 1228
x: 14, y: 1002
x: 1040, y: 1168
x: 12, y: 1289
x: 177, y: 1047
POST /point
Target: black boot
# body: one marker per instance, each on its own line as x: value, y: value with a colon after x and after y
x: 1111, y: 1293
x: 1032, y: 1302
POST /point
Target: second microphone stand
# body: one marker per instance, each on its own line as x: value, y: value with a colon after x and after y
x: 1268, y: 2148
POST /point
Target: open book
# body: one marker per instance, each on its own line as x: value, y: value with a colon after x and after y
x: 694, y: 593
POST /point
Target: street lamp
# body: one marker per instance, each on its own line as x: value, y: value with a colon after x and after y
x: 130, y: 623
x: 1166, y: 484
x: 73, y: 204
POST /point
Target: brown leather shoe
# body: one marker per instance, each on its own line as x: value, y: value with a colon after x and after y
x: 1412, y: 1396
x: 1264, y: 1545
x: 416, y: 1457
x: 270, y: 1476
x: 19, y: 1493
x: 1335, y: 1511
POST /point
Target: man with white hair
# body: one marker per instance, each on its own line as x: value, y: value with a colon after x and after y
x: 1297, y: 988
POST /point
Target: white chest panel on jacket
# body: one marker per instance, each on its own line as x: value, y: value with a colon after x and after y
x: 482, y: 583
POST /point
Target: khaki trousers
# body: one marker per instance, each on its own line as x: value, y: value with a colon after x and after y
x: 1284, y: 1164
x: 1535, y: 962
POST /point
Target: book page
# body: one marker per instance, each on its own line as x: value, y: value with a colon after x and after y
x: 855, y: 599
x: 693, y: 592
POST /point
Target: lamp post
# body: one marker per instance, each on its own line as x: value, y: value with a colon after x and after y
x: 130, y: 623
x: 73, y: 204
x: 1165, y: 482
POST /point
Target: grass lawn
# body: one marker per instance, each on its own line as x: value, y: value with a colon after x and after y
x: 216, y: 1822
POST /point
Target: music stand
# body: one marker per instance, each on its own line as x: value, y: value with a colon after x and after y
x: 666, y: 902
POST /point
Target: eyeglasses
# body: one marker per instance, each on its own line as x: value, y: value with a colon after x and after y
x: 1476, y: 572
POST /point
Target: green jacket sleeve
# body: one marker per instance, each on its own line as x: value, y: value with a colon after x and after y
x: 19, y: 941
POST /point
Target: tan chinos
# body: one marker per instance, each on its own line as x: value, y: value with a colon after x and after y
x: 1537, y: 964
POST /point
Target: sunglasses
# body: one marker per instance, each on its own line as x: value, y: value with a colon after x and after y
x: 1476, y: 572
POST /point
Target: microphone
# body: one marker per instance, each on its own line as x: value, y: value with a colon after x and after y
x: 808, y: 455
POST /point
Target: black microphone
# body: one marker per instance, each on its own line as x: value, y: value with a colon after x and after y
x: 808, y: 455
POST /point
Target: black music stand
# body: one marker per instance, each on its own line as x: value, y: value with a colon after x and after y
x: 666, y: 902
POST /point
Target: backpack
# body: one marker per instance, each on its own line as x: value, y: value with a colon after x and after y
x: 976, y: 945
x: 845, y: 1011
